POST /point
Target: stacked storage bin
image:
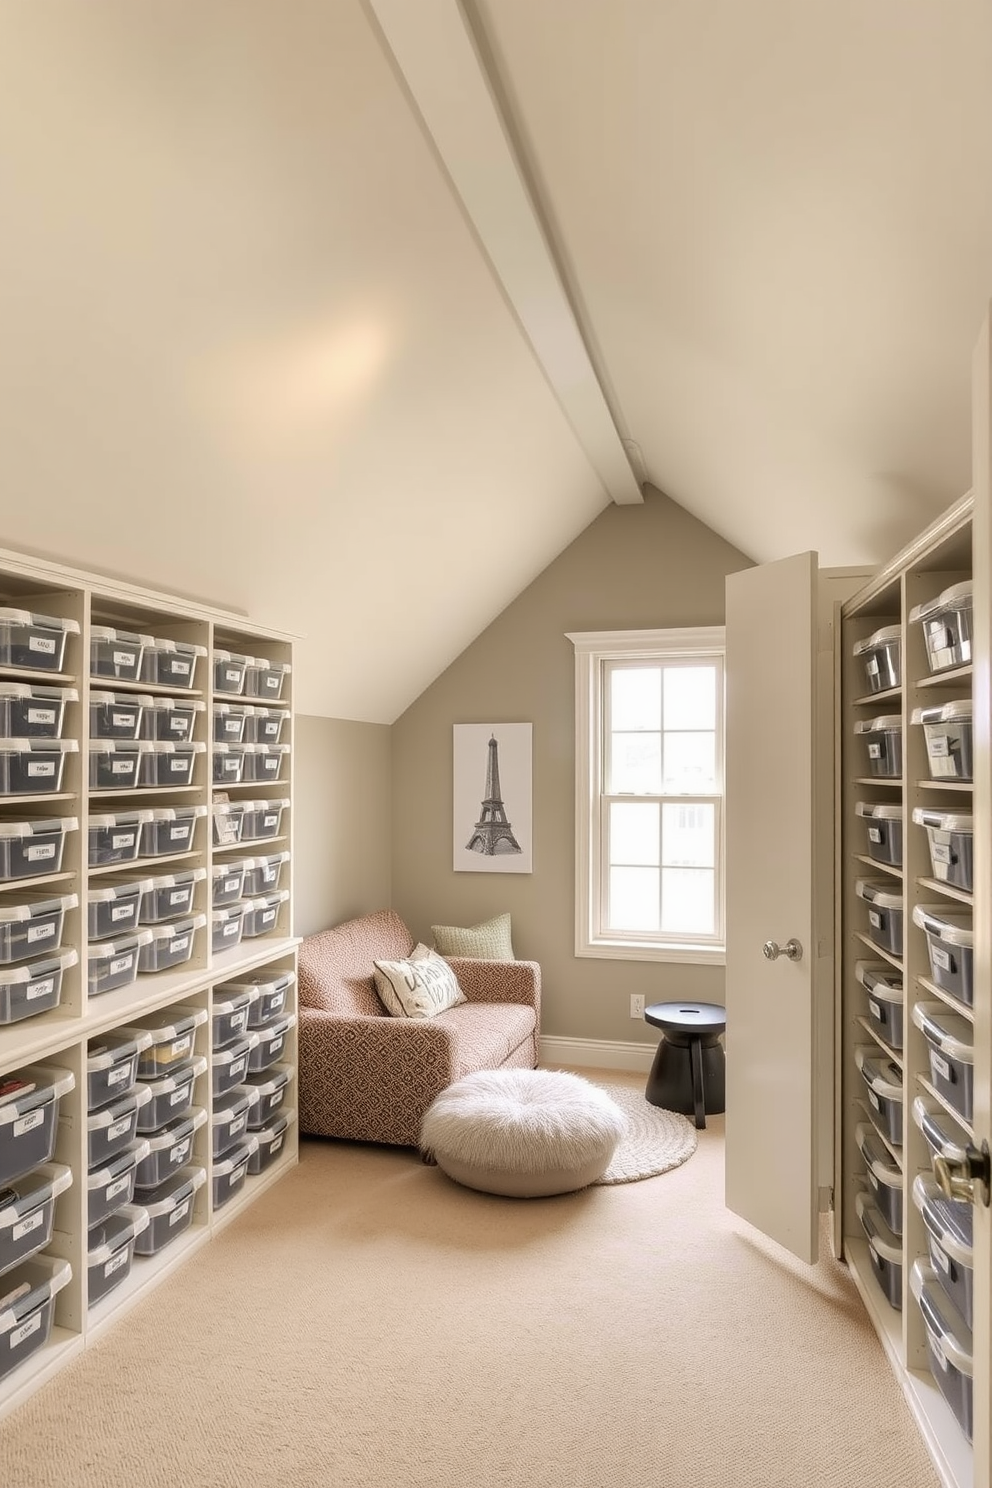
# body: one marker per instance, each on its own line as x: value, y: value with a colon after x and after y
x: 30, y: 1184
x: 114, y: 1102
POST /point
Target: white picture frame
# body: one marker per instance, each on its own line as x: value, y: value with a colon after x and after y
x: 493, y: 835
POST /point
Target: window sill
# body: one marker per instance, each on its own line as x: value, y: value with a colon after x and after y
x: 681, y: 955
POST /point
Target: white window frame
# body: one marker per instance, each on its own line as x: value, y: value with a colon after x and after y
x: 592, y: 650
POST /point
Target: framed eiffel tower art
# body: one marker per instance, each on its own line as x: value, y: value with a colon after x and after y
x: 493, y: 809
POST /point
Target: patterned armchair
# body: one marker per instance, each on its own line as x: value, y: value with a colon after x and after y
x: 370, y: 1077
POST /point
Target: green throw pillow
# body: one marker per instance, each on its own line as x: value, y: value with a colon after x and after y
x: 487, y: 942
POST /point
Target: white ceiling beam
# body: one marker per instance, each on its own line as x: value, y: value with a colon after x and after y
x: 435, y: 52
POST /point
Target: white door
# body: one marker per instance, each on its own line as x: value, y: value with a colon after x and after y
x: 772, y: 1160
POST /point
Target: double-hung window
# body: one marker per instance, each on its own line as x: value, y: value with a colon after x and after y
x: 650, y: 794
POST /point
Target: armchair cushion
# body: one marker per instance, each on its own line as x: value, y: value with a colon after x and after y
x: 489, y: 941
x: 419, y: 987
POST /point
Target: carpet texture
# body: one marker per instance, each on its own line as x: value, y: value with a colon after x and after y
x: 367, y: 1322
x: 655, y: 1140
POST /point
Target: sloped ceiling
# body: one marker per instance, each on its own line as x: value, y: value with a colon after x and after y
x: 259, y: 344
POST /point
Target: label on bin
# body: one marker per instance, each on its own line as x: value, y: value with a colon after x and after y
x: 118, y: 1186
x: 940, y: 958
x: 181, y: 1045
x: 125, y: 658
x: 266, y: 918
x: 232, y: 725
x: 179, y: 943
x: 876, y: 1010
x: 18, y: 1335
x: 275, y: 1099
x: 229, y: 885
x: 121, y: 911
x: 116, y: 1262
x: 40, y: 932
x: 41, y: 767
x: 41, y: 715
x: 275, y: 1047
x: 180, y: 763
x: 123, y: 720
x: 176, y: 832
x: 180, y: 1151
x: 123, y: 767
x: 269, y: 874
x: 178, y: 1096
x: 874, y: 918
x: 122, y: 839
x: 44, y: 988
x: 938, y: 746
x: 179, y: 668
x: 274, y: 1146
x: 231, y: 928
x: 871, y: 666
x: 874, y: 835
x: 120, y: 1075
x: 122, y: 963
x: 29, y: 1122
x: 177, y: 723
x: 874, y: 1100
x: 942, y: 1260
x: 236, y: 1124
x: 236, y: 1067
x: 270, y: 821
x: 874, y: 751
x: 39, y: 853
x: 272, y: 682
x: 940, y: 1065
x: 941, y: 852
x: 180, y: 1212
x: 239, y: 1021
x: 118, y: 1128
x: 179, y: 896
x: 33, y: 1222
x: 44, y: 644
x: 232, y: 674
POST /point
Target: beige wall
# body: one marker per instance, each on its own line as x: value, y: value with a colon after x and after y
x: 341, y: 824
x: 633, y: 567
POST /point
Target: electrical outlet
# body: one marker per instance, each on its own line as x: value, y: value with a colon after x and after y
x: 636, y: 1005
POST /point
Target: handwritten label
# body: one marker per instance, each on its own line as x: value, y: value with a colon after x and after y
x: 43, y: 988
x: 44, y: 644
x: 40, y: 853
x: 41, y: 715
x: 940, y: 1066
x: 41, y: 768
x: 29, y: 1122
x: 40, y: 932
x: 32, y: 1222
x: 117, y: 1262
x: 180, y: 1151
x: 180, y: 1212
x: 18, y: 1335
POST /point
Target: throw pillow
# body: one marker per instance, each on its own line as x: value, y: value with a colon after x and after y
x: 489, y: 941
x: 419, y: 987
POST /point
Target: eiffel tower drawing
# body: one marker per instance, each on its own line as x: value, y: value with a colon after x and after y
x: 493, y: 833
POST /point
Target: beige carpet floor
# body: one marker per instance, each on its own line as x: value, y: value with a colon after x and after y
x: 369, y: 1323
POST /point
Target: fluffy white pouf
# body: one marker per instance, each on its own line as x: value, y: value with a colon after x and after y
x: 522, y: 1132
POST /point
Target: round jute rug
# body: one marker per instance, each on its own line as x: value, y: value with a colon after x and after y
x: 656, y: 1140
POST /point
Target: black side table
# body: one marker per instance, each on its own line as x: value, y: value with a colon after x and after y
x: 689, y: 1071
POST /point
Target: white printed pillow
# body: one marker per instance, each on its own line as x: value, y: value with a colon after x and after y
x: 420, y: 987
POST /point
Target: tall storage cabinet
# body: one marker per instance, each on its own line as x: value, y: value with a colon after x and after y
x: 147, y: 957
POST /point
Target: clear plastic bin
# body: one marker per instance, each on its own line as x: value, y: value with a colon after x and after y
x: 114, y: 963
x: 29, y: 1120
x: 943, y: 1135
x: 262, y: 819
x: 230, y: 1064
x: 29, y: 712
x: 115, y: 764
x: 165, y: 764
x: 950, y: 945
x: 885, y: 914
x: 884, y: 1176
x: 33, y: 767
x: 883, y: 1080
x: 228, y: 764
x: 882, y: 738
x: 167, y: 663
x: 169, y: 896
x: 231, y: 1011
x: 26, y: 991
x: 26, y: 1323
x: 265, y: 679
x: 271, y: 1043
x: 112, y: 1066
x: 229, y: 723
x: 949, y: 1345
x: 112, y: 909
x: 229, y: 1118
x: 230, y: 1172
x: 173, y: 1032
x: 262, y: 914
x: 271, y: 1141
x: 883, y: 989
x: 228, y: 823
x: 950, y: 1240
x: 116, y: 653
x: 34, y: 643
x: 884, y: 1248
x: 950, y: 837
x: 116, y: 716
x: 947, y: 626
x: 113, y: 1127
x: 114, y: 837
x: 948, y: 730
x: 112, y: 1185
x: 31, y: 849
x: 28, y: 929
x: 110, y: 1250
x: 170, y: 945
x: 171, y: 1095
x: 229, y: 672
x: 169, y: 830
x: 884, y: 831
x: 272, y: 1086
x: 952, y: 1057
x: 262, y: 875
x: 265, y: 725
x: 169, y: 1208
x: 170, y: 719
x: 881, y: 656
x: 265, y: 763
x: 26, y: 1217
x: 226, y: 884
x: 271, y: 994
x: 169, y: 1149
x: 226, y: 926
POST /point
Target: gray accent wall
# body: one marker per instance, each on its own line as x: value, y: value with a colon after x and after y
x: 634, y: 567
x: 341, y: 821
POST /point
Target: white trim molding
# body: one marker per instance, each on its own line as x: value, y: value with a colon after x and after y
x: 596, y: 1053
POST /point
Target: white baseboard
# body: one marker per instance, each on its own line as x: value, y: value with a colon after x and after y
x: 596, y: 1053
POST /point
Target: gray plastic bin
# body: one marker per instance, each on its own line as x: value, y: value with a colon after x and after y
x: 882, y: 738
x: 950, y: 1238
x: 115, y: 764
x: 169, y: 719
x: 272, y: 1087
x: 265, y: 725
x: 950, y: 838
x: 34, y: 643
x: 116, y: 715
x: 114, y: 963
x: 116, y: 653
x: 229, y: 672
x: 949, y: 1345
x: 30, y: 849
x: 229, y: 723
x: 883, y: 989
x: 169, y: 1208
x: 230, y: 1172
x: 31, y: 712
x: 262, y: 914
x: 115, y: 837
x: 112, y: 908
x: 881, y: 656
x: 173, y: 1034
x: 112, y: 1184
x: 27, y: 1218
x: 227, y: 882
x: 271, y: 1043
x: 33, y: 767
x: 26, y: 991
x: 266, y: 679
x: 171, y: 1095
x: 166, y: 663
x: 169, y: 1149
x: 229, y: 1118
x: 885, y: 913
x: 110, y: 1250
x: 231, y: 1011
x: 30, y: 929
x: 169, y: 830
x: 947, y: 626
x: 169, y: 896
x: 265, y: 763
x: 950, y: 943
x: 272, y: 991
x: 228, y: 764
x: 952, y: 1057
x: 271, y: 1141
x: 885, y: 1251
x: 884, y: 1177
x: 262, y: 819
x: 170, y: 945
x: 26, y: 1324
x: 883, y: 1080
x: 948, y: 730
x: 262, y: 875
x: 230, y: 1064
x: 112, y: 1065
x: 113, y: 1127
x: 943, y: 1135
x: 226, y: 926
x: 883, y: 828
x: 29, y: 1121
x: 167, y: 765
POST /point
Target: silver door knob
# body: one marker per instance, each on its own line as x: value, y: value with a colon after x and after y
x: 792, y: 950
x: 965, y: 1177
